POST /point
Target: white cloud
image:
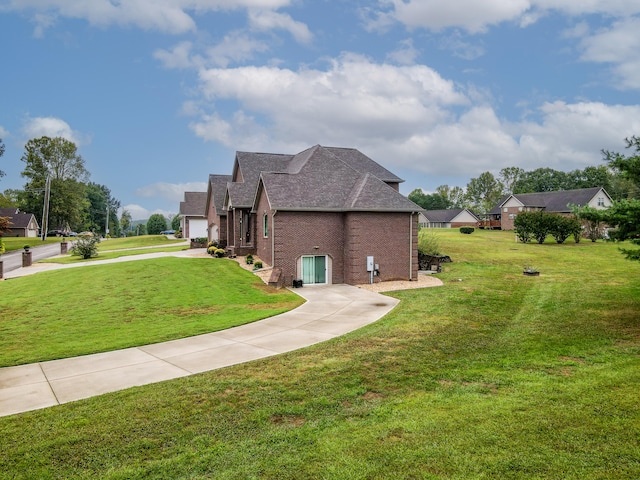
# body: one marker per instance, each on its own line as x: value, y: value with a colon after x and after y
x: 178, y: 57
x: 173, y: 192
x: 353, y: 99
x: 618, y: 46
x: 471, y: 15
x: 3, y: 132
x: 137, y: 212
x: 140, y: 213
x: 160, y: 15
x: 52, y: 127
x: 476, y: 17
x: 406, y: 53
x: 404, y: 117
x: 269, y: 20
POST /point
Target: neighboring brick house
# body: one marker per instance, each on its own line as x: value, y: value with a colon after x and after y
x: 214, y: 207
x: 319, y: 215
x: 193, y: 221
x: 22, y: 224
x: 561, y: 202
x: 450, y: 218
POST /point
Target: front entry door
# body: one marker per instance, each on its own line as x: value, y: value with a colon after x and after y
x: 314, y: 269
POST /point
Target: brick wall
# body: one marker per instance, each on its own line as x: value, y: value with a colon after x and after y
x: 298, y: 233
x: 385, y: 236
x: 263, y: 245
x: 347, y: 239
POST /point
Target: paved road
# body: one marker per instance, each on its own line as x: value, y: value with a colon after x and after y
x: 13, y: 260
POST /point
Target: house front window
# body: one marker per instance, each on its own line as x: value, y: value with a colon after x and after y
x: 601, y: 201
x: 265, y: 225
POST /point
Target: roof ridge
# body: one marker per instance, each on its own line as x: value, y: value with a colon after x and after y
x: 357, y: 189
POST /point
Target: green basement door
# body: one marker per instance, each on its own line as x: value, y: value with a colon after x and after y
x: 314, y: 269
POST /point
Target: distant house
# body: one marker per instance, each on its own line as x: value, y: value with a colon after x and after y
x: 325, y: 215
x: 193, y: 220
x: 22, y: 224
x: 561, y: 202
x: 450, y: 218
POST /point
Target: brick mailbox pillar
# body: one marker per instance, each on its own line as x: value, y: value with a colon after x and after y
x: 26, y: 258
x: 63, y: 248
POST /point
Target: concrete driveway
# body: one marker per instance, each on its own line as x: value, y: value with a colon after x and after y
x: 329, y: 311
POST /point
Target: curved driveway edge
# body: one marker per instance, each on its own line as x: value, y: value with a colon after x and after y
x: 330, y: 311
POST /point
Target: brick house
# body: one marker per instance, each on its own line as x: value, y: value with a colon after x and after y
x: 193, y: 221
x: 450, y: 218
x: 561, y: 202
x: 325, y: 215
x: 22, y: 224
x: 214, y: 207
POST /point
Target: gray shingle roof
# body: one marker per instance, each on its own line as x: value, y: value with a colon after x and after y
x: 559, y: 201
x: 17, y: 218
x: 334, y: 179
x: 443, y: 216
x: 249, y: 166
x: 194, y: 204
x: 218, y: 190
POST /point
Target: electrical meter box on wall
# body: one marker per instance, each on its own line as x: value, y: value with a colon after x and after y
x: 370, y: 263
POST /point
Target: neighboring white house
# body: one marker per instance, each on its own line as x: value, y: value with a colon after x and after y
x: 451, y: 218
x: 193, y: 219
x: 560, y: 202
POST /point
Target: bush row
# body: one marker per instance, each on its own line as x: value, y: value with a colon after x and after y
x: 538, y: 225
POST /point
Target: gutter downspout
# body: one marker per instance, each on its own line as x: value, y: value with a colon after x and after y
x: 411, y: 246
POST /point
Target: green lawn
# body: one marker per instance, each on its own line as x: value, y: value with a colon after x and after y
x: 493, y: 376
x: 78, y: 311
x: 137, y: 242
x: 111, y: 254
x: 17, y: 243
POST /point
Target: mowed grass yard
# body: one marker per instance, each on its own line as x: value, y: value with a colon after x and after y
x: 65, y: 313
x: 494, y: 375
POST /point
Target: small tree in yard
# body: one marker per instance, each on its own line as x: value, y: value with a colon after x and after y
x: 156, y: 224
x: 86, y: 247
x: 592, y: 219
x: 564, y: 227
x: 523, y: 225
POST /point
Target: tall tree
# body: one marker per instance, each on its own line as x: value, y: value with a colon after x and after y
x: 428, y: 201
x: 541, y: 180
x: 625, y: 213
x: 455, y: 196
x: 484, y: 192
x: 58, y: 159
x: 101, y: 205
x: 509, y: 177
x: 125, y: 221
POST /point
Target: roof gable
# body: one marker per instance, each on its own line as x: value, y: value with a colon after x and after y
x: 216, y: 192
x: 194, y: 204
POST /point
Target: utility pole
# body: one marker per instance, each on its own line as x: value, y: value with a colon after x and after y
x: 45, y: 208
x: 106, y: 228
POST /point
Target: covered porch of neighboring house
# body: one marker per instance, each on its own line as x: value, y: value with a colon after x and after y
x: 240, y: 232
x: 490, y: 222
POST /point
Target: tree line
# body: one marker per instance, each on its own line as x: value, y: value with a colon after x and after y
x: 54, y: 168
x: 485, y: 191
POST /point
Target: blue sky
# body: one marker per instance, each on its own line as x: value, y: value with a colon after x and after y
x: 157, y: 94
